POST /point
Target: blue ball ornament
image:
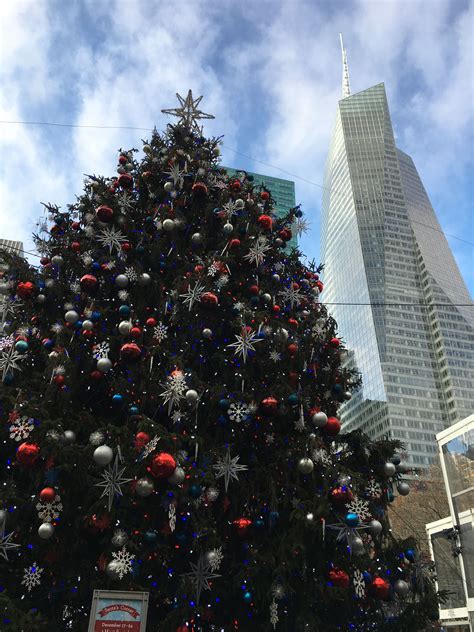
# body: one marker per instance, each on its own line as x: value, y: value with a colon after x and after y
x: 367, y: 577
x: 124, y: 310
x: 255, y: 301
x: 21, y: 346
x: 150, y: 536
x: 247, y: 597
x: 133, y: 410
x: 95, y: 265
x: 8, y: 379
x: 95, y: 316
x: 298, y: 213
x: 224, y: 404
x: 78, y: 324
x: 140, y: 250
x: 195, y: 490
x: 293, y: 399
x: 274, y: 516
x: 336, y: 389
x: 117, y: 398
x: 259, y: 523
x: 410, y: 555
x: 222, y: 419
x: 47, y: 343
x: 351, y: 519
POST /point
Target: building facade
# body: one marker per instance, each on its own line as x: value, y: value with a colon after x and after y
x: 398, y: 296
x: 283, y: 192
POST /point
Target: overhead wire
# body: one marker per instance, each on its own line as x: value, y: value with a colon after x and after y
x: 235, y: 151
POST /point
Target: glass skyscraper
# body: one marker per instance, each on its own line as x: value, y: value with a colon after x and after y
x: 399, y: 299
x: 283, y: 192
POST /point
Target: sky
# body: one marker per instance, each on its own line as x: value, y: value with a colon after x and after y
x: 270, y: 72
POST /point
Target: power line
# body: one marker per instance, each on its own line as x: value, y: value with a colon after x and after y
x: 235, y: 151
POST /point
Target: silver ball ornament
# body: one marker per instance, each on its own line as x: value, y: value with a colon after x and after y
x: 201, y: 171
x: 104, y: 365
x: 196, y: 238
x: 276, y: 278
x: 403, y: 488
x: 69, y: 437
x: 144, y: 487
x: 207, y: 333
x: 375, y: 527
x: 113, y: 570
x: 191, y: 396
x: 119, y: 539
x: 54, y: 355
x: 168, y: 225
x: 121, y: 280
x: 177, y: 477
x: 49, y: 283
x: 239, y: 203
x: 403, y: 467
x: 103, y: 455
x: 401, y: 587
x: 357, y: 546
x: 310, y: 517
x: 319, y: 419
x: 57, y: 260
x: 41, y: 299
x: 347, y: 396
x: 71, y: 317
x: 267, y: 298
x: 168, y: 186
x: 45, y: 530
x: 3, y: 517
x: 228, y: 228
x: 87, y: 325
x: 144, y: 279
x: 278, y: 242
x: 389, y: 469
x: 124, y: 327
x: 305, y: 465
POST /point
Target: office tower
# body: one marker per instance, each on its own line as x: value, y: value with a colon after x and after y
x: 283, y: 191
x: 402, y: 306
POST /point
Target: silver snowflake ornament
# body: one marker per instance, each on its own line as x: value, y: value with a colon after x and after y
x: 245, y: 342
x: 47, y: 512
x: 6, y: 341
x: 222, y: 281
x: 215, y: 558
x: 213, y: 270
x: 131, y: 274
x: 373, y: 489
x: 112, y: 481
x: 188, y: 113
x: 320, y: 455
x: 238, y: 412
x: 176, y: 175
x: 358, y: 583
x: 174, y: 390
x: 32, y: 576
x: 291, y: 295
x: 101, y: 350
x: 300, y: 226
x: 229, y: 468
x: 230, y: 209
x: 160, y: 332
x: 275, y: 356
x: 123, y: 562
x: 200, y: 576
x: 193, y: 295
x: 111, y: 238
x: 258, y: 251
x: 125, y: 202
x: 360, y: 507
x: 21, y: 428
x: 172, y: 517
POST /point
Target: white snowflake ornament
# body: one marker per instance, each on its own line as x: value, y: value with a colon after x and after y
x: 32, y: 576
x: 123, y: 562
x: 21, y: 428
x: 47, y: 512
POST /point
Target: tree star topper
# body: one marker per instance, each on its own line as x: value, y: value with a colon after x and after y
x: 188, y: 112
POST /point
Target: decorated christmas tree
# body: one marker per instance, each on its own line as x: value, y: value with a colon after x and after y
x: 170, y: 388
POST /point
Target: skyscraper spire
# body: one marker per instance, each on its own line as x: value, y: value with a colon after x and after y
x: 346, y: 86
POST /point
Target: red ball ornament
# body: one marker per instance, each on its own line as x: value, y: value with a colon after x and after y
x: 276, y: 309
x: 75, y: 225
x: 123, y: 159
x: 234, y: 243
x: 130, y: 351
x: 335, y: 342
x: 88, y: 282
x: 47, y: 494
x: 162, y: 465
x: 151, y: 322
x: 104, y: 213
x: 44, y: 261
x: 254, y: 289
x: 380, y: 588
x: 320, y: 285
x: 236, y: 185
x: 199, y: 188
x: 293, y: 323
x: 25, y: 289
x: 126, y: 246
x: 75, y: 246
x: 269, y: 406
x: 125, y: 180
x: 198, y: 269
x: 135, y: 332
x: 141, y: 439
x: 264, y: 195
x: 27, y: 453
x: 208, y: 299
x: 242, y: 524
x: 285, y: 234
x: 332, y: 427
x: 292, y: 349
x: 265, y: 222
x: 59, y: 380
x: 341, y: 495
x: 97, y: 375
x: 339, y: 577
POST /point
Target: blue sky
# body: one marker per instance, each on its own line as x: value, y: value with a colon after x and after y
x: 270, y: 72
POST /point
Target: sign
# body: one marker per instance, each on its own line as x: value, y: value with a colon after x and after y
x: 118, y: 611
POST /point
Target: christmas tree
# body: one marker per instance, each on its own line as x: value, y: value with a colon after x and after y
x: 170, y: 388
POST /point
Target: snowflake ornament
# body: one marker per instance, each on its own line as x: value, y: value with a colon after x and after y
x: 32, y: 576
x: 176, y: 176
x: 123, y: 295
x: 300, y: 226
x: 123, y: 562
x: 228, y: 468
x: 47, y: 512
x: 230, y: 209
x: 101, y: 350
x: 360, y: 507
x: 193, y: 295
x: 322, y: 456
x: 215, y: 558
x: 111, y: 238
x: 245, y: 342
x: 21, y: 428
x: 213, y: 270
x: 160, y: 332
x: 291, y: 295
x: 359, y: 584
x: 275, y: 356
x: 131, y: 274
x: 238, y: 412
x: 125, y: 202
x: 174, y: 390
x: 6, y: 341
x: 258, y: 251
x: 5, y: 543
x: 373, y: 489
x: 222, y: 281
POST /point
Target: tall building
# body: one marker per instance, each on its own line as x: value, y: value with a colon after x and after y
x: 283, y: 191
x: 402, y: 306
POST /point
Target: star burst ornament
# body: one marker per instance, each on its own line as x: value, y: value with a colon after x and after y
x: 300, y: 226
x: 291, y: 295
x: 32, y: 576
x: 9, y: 360
x: 174, y: 390
x: 176, y: 176
x: 112, y: 482
x: 245, y: 342
x: 200, y: 575
x: 193, y: 295
x: 111, y: 238
x: 5, y: 543
x: 188, y: 113
x: 228, y: 468
x: 258, y: 251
